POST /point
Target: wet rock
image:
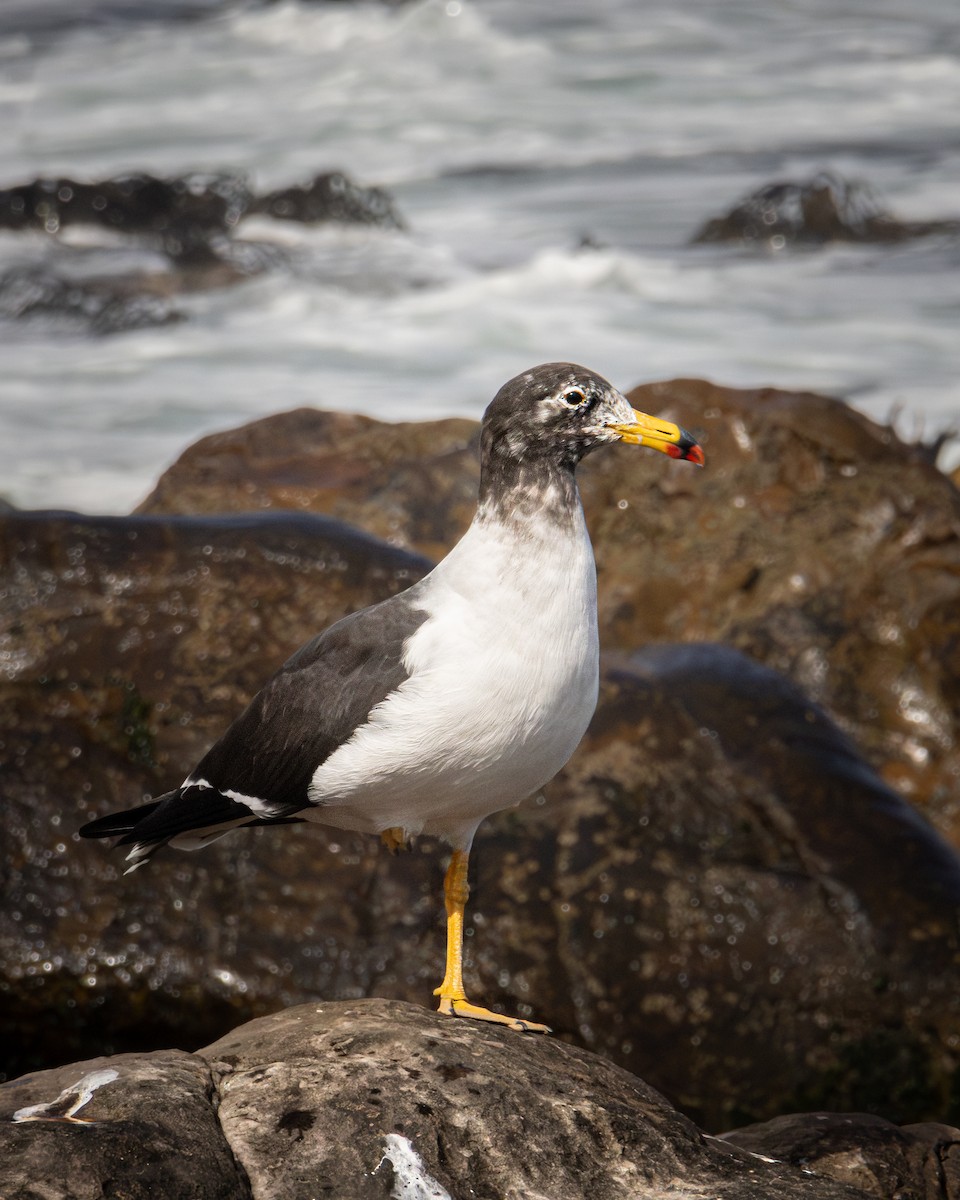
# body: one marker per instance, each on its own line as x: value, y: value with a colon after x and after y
x: 84, y: 596
x: 723, y: 898
x: 803, y: 544
x: 136, y: 1126
x: 331, y: 196
x: 412, y: 483
x: 691, y: 897
x: 824, y: 208
x: 364, y: 1100
x: 180, y: 215
x: 816, y: 542
x: 916, y: 1162
x: 102, y: 620
x: 721, y: 895
x: 101, y: 306
x: 181, y: 233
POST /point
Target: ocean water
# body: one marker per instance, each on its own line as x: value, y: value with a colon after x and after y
x: 551, y: 160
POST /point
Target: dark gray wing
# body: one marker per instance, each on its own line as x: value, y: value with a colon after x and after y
x: 310, y: 707
x: 313, y: 705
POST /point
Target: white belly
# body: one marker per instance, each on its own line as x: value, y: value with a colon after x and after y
x: 503, y: 682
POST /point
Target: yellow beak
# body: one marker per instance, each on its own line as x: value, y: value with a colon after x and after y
x: 660, y: 435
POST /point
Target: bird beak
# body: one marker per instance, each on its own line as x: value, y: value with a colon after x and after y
x: 660, y: 435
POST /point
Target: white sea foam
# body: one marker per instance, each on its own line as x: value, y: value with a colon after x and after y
x: 507, y: 133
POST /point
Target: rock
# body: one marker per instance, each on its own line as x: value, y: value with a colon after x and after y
x: 722, y: 896
x: 917, y: 1162
x: 688, y: 897
x: 137, y: 1126
x: 365, y: 1100
x: 724, y: 899
x: 183, y: 213
x: 182, y: 230
x: 179, y: 214
x: 824, y: 208
x: 412, y: 483
x: 101, y: 306
x: 332, y: 196
x: 95, y: 603
x: 101, y: 622
x: 801, y: 544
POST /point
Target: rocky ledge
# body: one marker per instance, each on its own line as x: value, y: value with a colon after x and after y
x: 375, y: 1098
x: 744, y: 888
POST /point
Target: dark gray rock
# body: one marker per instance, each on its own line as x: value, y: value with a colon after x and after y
x: 137, y: 1126
x: 179, y: 235
x: 98, y: 306
x: 365, y: 1100
x: 915, y: 1162
x: 179, y: 214
x: 824, y: 208
x: 99, y: 617
x: 331, y: 196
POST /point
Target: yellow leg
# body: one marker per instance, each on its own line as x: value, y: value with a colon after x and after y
x: 453, y: 999
x: 395, y: 839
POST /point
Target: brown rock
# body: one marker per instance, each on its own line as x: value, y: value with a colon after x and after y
x: 413, y: 484
x: 696, y: 895
x: 815, y: 541
x: 126, y: 646
x: 824, y: 208
x: 723, y: 875
x: 917, y: 1162
x: 818, y: 544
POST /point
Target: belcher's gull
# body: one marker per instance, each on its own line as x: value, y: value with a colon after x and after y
x: 452, y: 700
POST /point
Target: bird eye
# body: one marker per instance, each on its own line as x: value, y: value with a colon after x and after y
x: 573, y: 397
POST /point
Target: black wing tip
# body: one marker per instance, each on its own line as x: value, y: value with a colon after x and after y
x: 124, y: 822
x: 146, y: 829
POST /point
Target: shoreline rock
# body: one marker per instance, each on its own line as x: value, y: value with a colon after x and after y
x: 802, y: 544
x: 184, y: 230
x: 719, y: 871
x: 824, y: 208
x: 373, y: 1098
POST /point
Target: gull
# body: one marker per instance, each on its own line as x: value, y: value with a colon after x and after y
x: 452, y: 700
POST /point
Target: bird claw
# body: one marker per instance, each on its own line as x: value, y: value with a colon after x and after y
x: 452, y: 1006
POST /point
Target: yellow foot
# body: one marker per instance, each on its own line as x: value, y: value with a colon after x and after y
x: 395, y: 839
x: 463, y: 1008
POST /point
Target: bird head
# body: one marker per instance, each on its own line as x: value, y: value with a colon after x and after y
x: 561, y: 411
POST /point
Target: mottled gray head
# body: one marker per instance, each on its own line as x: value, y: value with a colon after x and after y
x: 558, y: 412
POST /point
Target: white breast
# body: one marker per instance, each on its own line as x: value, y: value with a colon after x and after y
x: 503, y: 682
